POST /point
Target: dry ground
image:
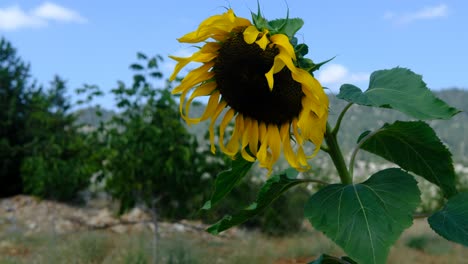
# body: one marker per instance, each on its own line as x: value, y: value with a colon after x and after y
x: 34, y: 231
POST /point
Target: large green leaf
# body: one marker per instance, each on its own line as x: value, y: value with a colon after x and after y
x: 452, y: 221
x: 366, y: 219
x: 272, y: 189
x: 227, y: 180
x: 415, y: 147
x: 402, y: 90
x: 287, y: 26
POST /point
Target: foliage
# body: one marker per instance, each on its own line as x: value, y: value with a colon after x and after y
x: 41, y: 150
x: 151, y: 157
x: 61, y: 160
x: 415, y: 147
x: 16, y: 106
x: 269, y: 192
x: 365, y: 219
x: 143, y: 154
x: 450, y: 222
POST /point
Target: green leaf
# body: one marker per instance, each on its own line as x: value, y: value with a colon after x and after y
x: 153, y: 63
x: 415, y: 147
x: 309, y: 65
x: 452, y: 221
x: 141, y: 56
x: 272, y: 189
x: 258, y: 20
x: 366, y: 219
x: 293, y: 41
x: 157, y: 75
x: 402, y: 90
x: 301, y: 49
x: 363, y: 135
x: 327, y: 259
x: 286, y: 26
x: 227, y: 180
x: 136, y: 67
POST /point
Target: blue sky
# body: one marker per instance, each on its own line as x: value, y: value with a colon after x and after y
x: 94, y: 41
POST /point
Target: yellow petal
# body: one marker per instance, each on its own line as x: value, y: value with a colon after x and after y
x: 288, y: 151
x: 217, y: 27
x: 254, y: 135
x: 246, y: 136
x: 209, y: 110
x: 262, y: 154
x: 195, y: 77
x: 202, y: 35
x: 262, y: 131
x: 218, y: 111
x: 297, y: 136
x: 247, y: 128
x: 202, y: 90
x: 205, y: 54
x: 281, y: 60
x: 282, y: 41
x: 263, y: 41
x: 302, y: 157
x: 274, y: 142
x: 250, y: 34
x: 247, y: 156
x: 233, y: 145
x: 222, y: 127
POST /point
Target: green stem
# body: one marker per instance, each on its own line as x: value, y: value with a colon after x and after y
x: 340, y: 118
x: 324, y: 148
x: 336, y: 155
x: 356, y: 149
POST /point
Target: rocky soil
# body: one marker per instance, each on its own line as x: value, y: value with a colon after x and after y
x: 30, y: 215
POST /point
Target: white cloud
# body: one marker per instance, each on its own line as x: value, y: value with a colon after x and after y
x: 14, y: 18
x: 429, y: 12
x: 55, y: 12
x: 334, y: 75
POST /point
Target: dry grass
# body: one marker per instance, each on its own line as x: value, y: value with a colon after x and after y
x: 417, y: 245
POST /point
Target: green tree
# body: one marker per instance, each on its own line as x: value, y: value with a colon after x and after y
x: 152, y: 157
x: 61, y: 159
x: 16, y: 104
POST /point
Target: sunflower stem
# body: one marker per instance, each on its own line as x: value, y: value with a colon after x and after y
x: 356, y: 149
x: 340, y: 118
x: 336, y: 155
x: 324, y: 148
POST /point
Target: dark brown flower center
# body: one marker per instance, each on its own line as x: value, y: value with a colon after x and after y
x: 240, y: 77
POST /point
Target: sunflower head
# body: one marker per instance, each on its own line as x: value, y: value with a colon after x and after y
x: 257, y: 75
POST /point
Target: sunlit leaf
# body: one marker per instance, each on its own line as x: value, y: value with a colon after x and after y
x: 402, y: 90
x: 415, y: 147
x: 366, y: 219
x: 287, y: 26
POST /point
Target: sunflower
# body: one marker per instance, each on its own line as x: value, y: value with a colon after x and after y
x: 252, y: 72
